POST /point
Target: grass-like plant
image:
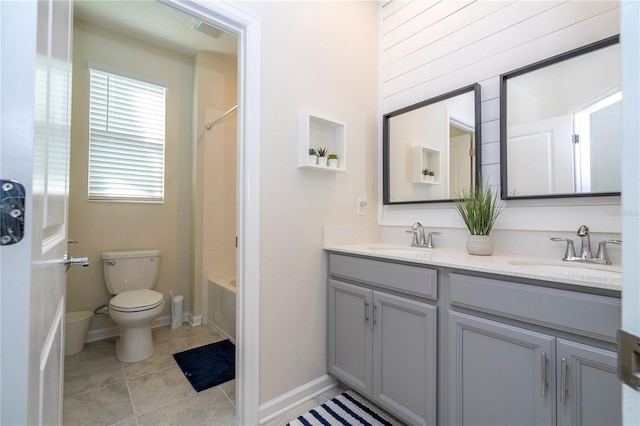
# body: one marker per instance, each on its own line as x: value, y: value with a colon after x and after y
x: 479, y: 208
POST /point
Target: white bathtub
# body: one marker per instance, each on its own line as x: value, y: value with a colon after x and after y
x: 222, y: 306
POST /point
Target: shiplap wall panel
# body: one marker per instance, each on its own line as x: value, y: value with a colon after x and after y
x: 430, y: 49
x: 406, y: 14
x: 392, y: 6
x: 503, y: 32
x: 456, y: 70
x: 473, y: 36
x: 434, y: 18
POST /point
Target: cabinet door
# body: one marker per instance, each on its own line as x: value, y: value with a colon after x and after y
x: 404, y: 358
x: 349, y: 335
x: 589, y: 392
x: 499, y: 374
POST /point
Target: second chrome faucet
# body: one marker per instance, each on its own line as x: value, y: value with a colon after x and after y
x: 602, y: 256
x: 419, y: 239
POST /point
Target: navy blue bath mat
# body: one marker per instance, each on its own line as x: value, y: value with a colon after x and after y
x: 209, y: 365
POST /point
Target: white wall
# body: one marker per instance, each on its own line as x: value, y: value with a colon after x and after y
x: 317, y: 57
x: 103, y: 226
x: 432, y: 48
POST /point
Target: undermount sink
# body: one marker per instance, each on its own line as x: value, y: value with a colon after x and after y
x: 570, y: 269
x: 414, y: 252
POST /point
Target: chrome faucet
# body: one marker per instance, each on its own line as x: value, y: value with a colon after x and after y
x: 602, y: 257
x: 419, y: 239
x: 585, y: 244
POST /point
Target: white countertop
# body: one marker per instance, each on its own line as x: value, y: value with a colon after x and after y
x: 607, y: 277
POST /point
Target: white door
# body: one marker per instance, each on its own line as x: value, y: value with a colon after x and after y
x: 541, y: 157
x: 34, y: 148
x: 629, y: 20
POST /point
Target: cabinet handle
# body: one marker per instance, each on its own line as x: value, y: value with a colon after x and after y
x: 366, y: 311
x: 563, y: 381
x: 374, y: 312
x: 543, y: 367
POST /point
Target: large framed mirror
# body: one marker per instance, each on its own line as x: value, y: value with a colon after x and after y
x: 561, y: 125
x: 429, y: 149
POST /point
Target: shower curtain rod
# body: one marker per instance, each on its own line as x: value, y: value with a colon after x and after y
x: 208, y: 126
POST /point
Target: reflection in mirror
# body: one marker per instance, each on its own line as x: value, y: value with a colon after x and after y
x: 561, y: 125
x: 429, y: 149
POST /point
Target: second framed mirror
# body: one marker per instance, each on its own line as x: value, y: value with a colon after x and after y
x: 560, y: 122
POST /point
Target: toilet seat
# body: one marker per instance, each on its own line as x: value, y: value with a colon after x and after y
x: 136, y: 301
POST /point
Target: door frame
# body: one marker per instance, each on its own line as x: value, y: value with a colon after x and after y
x: 246, y: 27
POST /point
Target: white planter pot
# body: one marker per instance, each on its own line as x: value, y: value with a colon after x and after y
x: 322, y: 161
x: 333, y: 162
x: 480, y: 245
x: 313, y: 160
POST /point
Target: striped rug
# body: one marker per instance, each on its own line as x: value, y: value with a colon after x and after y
x: 343, y: 410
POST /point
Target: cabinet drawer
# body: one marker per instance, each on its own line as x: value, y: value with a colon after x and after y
x: 579, y: 313
x: 404, y: 278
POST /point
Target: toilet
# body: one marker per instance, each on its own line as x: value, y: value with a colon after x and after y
x: 130, y: 277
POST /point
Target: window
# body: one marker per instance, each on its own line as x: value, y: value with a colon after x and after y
x: 126, y: 139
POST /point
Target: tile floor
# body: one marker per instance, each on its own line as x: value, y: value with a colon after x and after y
x: 100, y: 390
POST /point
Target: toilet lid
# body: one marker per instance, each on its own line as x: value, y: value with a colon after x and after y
x: 136, y: 300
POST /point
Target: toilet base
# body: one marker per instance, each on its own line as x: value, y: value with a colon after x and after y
x: 135, y: 344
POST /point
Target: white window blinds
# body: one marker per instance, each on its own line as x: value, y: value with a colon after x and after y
x: 126, y: 139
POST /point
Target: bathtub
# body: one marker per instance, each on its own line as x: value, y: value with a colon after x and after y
x: 222, y: 306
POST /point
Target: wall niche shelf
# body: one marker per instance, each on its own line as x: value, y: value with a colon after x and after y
x: 317, y: 132
x: 425, y: 158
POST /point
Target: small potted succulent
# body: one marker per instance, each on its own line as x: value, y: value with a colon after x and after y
x: 313, y: 156
x: 333, y: 160
x: 479, y: 208
x: 322, y: 156
x: 428, y: 175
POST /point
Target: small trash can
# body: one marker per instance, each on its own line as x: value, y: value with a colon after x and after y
x: 176, y: 311
x: 76, y: 327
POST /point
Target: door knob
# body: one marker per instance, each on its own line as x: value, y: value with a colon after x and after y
x: 75, y: 261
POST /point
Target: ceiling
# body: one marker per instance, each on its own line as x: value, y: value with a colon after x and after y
x: 155, y: 23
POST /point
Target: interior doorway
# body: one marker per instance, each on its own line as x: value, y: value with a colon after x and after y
x: 245, y: 28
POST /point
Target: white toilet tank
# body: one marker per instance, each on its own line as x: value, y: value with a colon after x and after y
x: 130, y: 269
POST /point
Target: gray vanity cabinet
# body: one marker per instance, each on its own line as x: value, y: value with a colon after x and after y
x: 511, y: 360
x: 382, y: 342
x: 350, y: 336
x: 588, y: 386
x: 499, y: 373
x: 404, y: 357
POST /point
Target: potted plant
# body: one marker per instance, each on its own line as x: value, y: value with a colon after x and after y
x: 428, y: 175
x: 333, y: 160
x: 322, y: 159
x: 479, y: 208
x: 313, y: 156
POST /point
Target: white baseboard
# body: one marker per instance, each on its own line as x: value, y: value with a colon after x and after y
x: 113, y: 331
x: 287, y: 401
x: 197, y: 320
